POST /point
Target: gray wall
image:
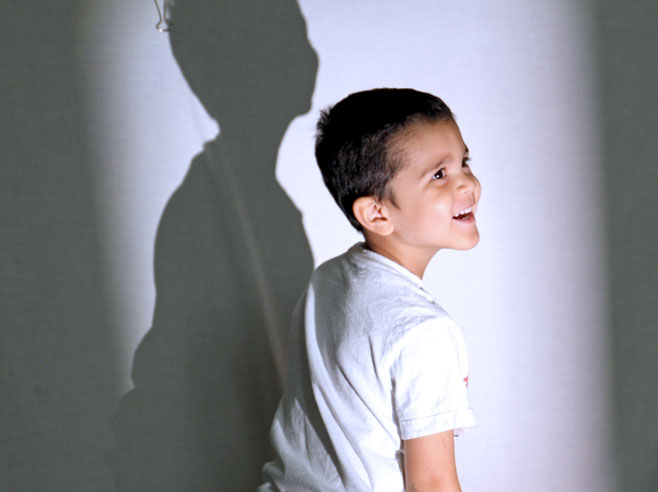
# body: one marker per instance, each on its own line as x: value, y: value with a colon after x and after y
x: 58, y: 359
x: 628, y: 54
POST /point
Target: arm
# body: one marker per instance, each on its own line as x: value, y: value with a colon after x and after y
x: 429, y: 463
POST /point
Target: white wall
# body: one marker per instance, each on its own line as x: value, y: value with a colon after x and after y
x: 530, y: 298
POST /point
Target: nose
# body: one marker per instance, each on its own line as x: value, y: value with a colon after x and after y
x: 467, y: 183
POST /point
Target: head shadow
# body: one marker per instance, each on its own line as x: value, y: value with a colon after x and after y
x: 231, y: 259
x: 249, y: 63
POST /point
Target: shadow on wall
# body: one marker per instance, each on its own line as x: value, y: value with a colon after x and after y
x: 628, y: 50
x: 58, y: 356
x: 231, y: 260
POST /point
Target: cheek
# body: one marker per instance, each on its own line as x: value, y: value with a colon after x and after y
x: 441, y: 209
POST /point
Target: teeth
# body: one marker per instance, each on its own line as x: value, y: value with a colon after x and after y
x: 464, y: 212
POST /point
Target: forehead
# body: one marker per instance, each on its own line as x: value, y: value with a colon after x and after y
x: 425, y: 142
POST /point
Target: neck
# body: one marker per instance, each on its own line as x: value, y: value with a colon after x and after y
x: 413, y: 259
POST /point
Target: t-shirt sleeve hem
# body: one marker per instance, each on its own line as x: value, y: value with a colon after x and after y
x: 459, y: 420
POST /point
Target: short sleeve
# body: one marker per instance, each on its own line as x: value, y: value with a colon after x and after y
x: 429, y: 380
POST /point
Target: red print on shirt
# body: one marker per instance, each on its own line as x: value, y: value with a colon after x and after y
x: 466, y: 381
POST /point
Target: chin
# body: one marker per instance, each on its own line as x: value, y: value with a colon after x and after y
x: 468, y: 244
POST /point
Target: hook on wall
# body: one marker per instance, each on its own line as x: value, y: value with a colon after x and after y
x: 163, y: 19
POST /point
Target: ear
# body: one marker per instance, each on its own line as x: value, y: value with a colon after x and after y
x: 373, y: 215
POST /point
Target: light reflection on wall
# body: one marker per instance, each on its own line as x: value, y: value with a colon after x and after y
x: 146, y: 128
x: 531, y: 297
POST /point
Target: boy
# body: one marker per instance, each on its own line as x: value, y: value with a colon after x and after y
x: 377, y: 371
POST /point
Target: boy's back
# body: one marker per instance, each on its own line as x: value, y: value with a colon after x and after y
x: 373, y: 360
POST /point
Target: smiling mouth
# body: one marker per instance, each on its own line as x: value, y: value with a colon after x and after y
x: 465, y: 215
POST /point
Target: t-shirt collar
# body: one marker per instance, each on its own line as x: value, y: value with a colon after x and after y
x: 361, y: 249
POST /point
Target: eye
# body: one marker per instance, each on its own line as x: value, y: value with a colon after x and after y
x: 440, y: 174
x: 465, y: 162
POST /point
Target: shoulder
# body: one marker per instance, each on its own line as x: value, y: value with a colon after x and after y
x: 360, y: 296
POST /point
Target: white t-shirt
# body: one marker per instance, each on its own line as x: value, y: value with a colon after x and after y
x: 372, y: 360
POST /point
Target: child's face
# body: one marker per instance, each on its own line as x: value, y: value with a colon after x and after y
x: 432, y: 189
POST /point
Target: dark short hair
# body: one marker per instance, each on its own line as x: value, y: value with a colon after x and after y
x: 354, y: 142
